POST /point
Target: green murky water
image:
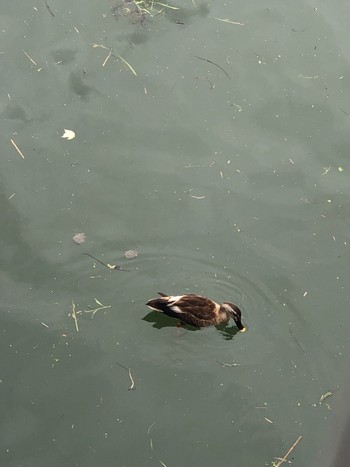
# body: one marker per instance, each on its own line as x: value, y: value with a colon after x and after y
x: 229, y: 175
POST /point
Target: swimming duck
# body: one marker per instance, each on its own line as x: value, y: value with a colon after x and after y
x: 197, y: 310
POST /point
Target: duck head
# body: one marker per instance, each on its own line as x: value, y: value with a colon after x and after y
x: 235, y: 313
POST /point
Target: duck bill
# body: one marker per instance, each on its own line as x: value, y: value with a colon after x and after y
x: 240, y: 326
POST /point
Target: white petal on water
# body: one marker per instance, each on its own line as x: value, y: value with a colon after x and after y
x: 68, y: 134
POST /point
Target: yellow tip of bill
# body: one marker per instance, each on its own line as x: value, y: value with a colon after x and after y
x: 244, y: 329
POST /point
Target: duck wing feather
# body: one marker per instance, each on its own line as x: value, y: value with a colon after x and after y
x: 193, y: 309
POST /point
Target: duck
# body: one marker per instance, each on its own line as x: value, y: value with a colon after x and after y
x: 197, y: 310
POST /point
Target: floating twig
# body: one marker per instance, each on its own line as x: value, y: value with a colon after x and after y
x: 308, y: 77
x: 116, y: 55
x: 130, y: 376
x: 226, y: 20
x: 323, y: 398
x: 159, y: 12
x: 126, y: 63
x: 49, y: 9
x: 107, y: 58
x: 30, y: 58
x: 17, y: 148
x: 75, y: 312
x: 114, y: 267
x: 151, y: 442
x: 229, y: 364
x: 150, y: 427
x: 215, y: 64
x: 132, y: 380
x: 168, y: 6
x: 101, y: 307
x: 148, y: 432
x: 287, y: 453
x: 74, y: 316
x: 239, y: 107
x: 99, y: 45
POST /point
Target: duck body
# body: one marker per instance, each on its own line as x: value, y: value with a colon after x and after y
x: 196, y: 310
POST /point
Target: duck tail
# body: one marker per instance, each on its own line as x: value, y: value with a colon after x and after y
x: 158, y: 304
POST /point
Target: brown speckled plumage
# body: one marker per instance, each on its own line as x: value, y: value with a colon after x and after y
x: 196, y: 310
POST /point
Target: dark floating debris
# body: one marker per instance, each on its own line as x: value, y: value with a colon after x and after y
x: 215, y: 64
x: 135, y: 11
x: 49, y: 9
x: 139, y: 11
x: 114, y: 267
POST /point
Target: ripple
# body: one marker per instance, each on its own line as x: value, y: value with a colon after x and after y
x: 155, y: 269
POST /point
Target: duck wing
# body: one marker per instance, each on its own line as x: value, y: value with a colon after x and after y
x: 194, y: 308
x: 190, y: 308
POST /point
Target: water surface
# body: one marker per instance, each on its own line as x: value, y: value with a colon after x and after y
x: 231, y: 181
